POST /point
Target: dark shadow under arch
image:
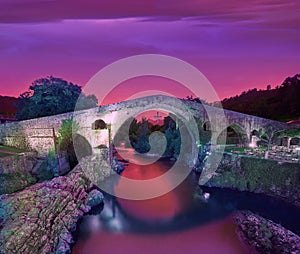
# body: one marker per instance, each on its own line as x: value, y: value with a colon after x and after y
x: 99, y: 125
x: 82, y: 147
x: 235, y: 135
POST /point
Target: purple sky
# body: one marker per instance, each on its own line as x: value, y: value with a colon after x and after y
x: 237, y: 45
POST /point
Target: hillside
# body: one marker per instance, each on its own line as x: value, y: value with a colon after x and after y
x: 7, y: 105
x: 281, y: 103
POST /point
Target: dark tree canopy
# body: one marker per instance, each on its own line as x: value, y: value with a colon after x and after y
x: 51, y: 96
x: 281, y: 103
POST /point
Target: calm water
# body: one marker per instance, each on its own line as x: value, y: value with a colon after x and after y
x: 176, y: 222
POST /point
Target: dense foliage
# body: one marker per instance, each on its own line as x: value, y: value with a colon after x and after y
x: 51, y: 96
x: 140, y: 131
x: 281, y: 103
x: 65, y: 140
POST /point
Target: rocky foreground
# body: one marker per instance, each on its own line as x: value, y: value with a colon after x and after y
x: 265, y: 236
x: 40, y: 218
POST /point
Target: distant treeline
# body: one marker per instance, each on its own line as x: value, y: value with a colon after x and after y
x: 7, y: 105
x: 281, y: 103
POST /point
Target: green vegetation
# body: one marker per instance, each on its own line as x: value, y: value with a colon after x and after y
x: 260, y: 176
x: 267, y: 136
x: 10, y: 183
x: 10, y: 149
x: 139, y: 133
x: 51, y: 96
x: 65, y: 140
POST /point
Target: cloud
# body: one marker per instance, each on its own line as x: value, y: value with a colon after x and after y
x: 22, y: 11
x: 229, y: 41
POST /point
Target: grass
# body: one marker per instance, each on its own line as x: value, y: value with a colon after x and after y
x: 10, y: 149
x: 4, y: 154
x: 242, y: 149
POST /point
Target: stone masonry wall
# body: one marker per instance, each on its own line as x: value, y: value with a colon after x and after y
x: 37, y: 134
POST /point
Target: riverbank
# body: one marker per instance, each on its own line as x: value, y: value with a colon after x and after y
x: 40, y: 218
x: 258, y: 176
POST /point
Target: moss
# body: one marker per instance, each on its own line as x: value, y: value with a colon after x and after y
x: 260, y: 176
x: 11, y: 149
x: 10, y: 183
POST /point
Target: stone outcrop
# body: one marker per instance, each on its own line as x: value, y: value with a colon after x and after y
x: 18, y: 163
x: 17, y: 171
x: 265, y: 236
x: 259, y: 176
x: 10, y: 183
x: 40, y: 218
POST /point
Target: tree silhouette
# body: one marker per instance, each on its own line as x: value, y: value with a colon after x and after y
x: 51, y: 96
x: 281, y: 103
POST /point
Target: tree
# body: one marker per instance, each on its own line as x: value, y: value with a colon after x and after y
x: 51, y: 96
x: 267, y: 135
x: 142, y: 145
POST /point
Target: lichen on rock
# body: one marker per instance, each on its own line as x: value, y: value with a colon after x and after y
x: 265, y: 236
x: 40, y: 218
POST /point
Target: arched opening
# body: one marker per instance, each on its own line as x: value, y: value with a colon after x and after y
x: 99, y: 125
x: 206, y: 126
x: 295, y: 141
x: 234, y: 135
x: 82, y: 147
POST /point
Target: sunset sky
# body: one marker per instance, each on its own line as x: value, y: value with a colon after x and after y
x: 236, y: 44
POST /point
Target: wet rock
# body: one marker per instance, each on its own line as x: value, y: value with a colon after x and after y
x: 94, y: 198
x: 265, y: 236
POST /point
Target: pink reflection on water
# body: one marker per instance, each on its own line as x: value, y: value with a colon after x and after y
x: 161, y: 208
x: 216, y: 238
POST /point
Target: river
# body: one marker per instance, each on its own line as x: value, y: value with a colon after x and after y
x: 176, y: 222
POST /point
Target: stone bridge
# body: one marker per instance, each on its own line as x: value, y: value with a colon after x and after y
x: 98, y: 126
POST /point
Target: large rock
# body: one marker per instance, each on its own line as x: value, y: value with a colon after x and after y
x: 94, y: 198
x: 40, y: 219
x: 10, y: 183
x: 265, y: 236
x: 18, y: 163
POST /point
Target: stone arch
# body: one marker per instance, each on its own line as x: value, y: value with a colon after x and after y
x: 235, y: 134
x: 254, y: 132
x: 82, y: 146
x: 295, y: 141
x: 99, y: 125
x: 206, y: 126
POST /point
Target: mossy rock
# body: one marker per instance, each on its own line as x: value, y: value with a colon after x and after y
x: 10, y: 183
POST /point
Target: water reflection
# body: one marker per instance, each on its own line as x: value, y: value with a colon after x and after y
x: 175, y: 222
x: 164, y: 207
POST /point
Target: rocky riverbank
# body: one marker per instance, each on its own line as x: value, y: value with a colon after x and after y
x: 40, y: 218
x: 265, y: 236
x: 258, y: 176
